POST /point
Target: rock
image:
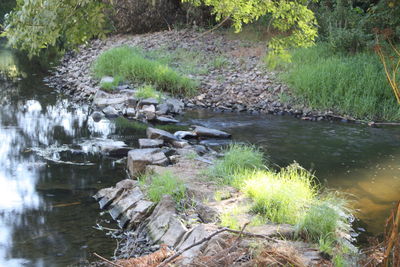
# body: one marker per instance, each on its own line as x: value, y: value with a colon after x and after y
x: 149, y: 111
x: 180, y: 144
x: 184, y: 134
x: 206, y: 213
x: 213, y: 133
x: 162, y: 109
x: 113, y: 148
x: 161, y: 119
x: 153, y: 133
x: 107, y: 79
x: 125, y: 202
x: 174, y: 105
x: 138, y: 159
x: 107, y: 195
x: 110, y: 112
x: 149, y: 101
x: 132, y: 102
x: 130, y: 112
x: 163, y: 226
x: 103, y: 99
x: 201, y: 150
x: 136, y: 215
x: 150, y: 143
x: 97, y: 116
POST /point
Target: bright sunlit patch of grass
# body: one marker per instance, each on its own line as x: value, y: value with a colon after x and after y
x: 148, y: 91
x: 165, y: 184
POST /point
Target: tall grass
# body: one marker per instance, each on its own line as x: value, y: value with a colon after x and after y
x: 237, y: 158
x: 349, y: 84
x: 131, y: 64
x: 290, y: 195
x: 165, y: 184
x: 148, y: 91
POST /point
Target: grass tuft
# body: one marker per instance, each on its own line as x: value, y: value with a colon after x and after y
x: 349, y: 84
x: 237, y: 158
x: 131, y: 64
x: 165, y: 184
x: 148, y: 91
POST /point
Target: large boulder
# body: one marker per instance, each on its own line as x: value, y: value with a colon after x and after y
x: 110, y: 112
x: 208, y: 132
x: 153, y: 133
x: 138, y: 159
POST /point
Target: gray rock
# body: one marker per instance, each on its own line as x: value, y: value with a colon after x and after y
x: 184, y: 134
x: 138, y: 159
x: 134, y: 216
x: 213, y: 133
x: 201, y: 150
x: 107, y: 79
x: 125, y: 202
x: 153, y: 133
x: 164, y: 226
x: 175, y: 105
x: 103, y: 99
x: 130, y: 112
x: 110, y: 112
x: 149, y: 101
x: 150, y: 143
x: 162, y: 119
x: 180, y: 144
x: 132, y: 102
x: 149, y: 111
x: 206, y: 213
x: 113, y: 148
x: 97, y: 116
x: 162, y: 109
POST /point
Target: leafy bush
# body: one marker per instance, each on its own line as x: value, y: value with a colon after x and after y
x: 165, y: 184
x: 349, y: 84
x: 132, y: 65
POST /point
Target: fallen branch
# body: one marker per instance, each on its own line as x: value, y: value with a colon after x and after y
x: 213, y: 29
x: 105, y: 260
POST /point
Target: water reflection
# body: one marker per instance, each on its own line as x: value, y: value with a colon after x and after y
x: 357, y: 159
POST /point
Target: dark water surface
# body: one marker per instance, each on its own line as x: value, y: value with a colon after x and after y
x: 46, y: 210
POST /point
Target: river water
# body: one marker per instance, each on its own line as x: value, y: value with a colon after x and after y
x: 47, y: 215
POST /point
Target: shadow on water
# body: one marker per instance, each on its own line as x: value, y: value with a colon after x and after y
x: 360, y: 160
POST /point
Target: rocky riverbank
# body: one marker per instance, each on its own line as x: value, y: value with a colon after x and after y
x: 188, y: 232
x: 236, y: 82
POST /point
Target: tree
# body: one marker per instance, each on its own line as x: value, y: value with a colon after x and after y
x: 290, y: 17
x: 38, y: 24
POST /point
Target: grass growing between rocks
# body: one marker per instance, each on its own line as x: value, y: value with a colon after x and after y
x: 148, y: 91
x: 159, y: 185
x: 290, y: 195
x: 351, y: 84
x: 131, y: 64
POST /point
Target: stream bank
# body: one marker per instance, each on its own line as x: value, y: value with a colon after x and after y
x: 231, y: 73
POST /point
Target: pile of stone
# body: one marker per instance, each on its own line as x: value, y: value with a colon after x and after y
x: 123, y: 102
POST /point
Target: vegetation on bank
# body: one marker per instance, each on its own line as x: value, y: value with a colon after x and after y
x: 351, y: 84
x: 290, y: 195
x: 132, y: 65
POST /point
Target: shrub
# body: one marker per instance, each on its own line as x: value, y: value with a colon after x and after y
x: 165, y: 184
x: 348, y: 84
x: 281, y: 197
x: 131, y: 64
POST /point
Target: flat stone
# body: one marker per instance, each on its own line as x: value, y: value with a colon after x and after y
x: 110, y: 112
x: 150, y: 143
x: 184, y: 134
x: 107, y: 79
x: 208, y: 132
x: 162, y: 119
x: 149, y: 111
x: 114, y: 148
x: 128, y: 200
x: 149, y: 101
x: 162, y: 109
x: 153, y: 133
x: 138, y: 159
x: 136, y: 214
x: 102, y: 99
x: 180, y: 144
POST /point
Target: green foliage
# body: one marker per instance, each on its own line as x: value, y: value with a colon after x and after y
x: 132, y: 65
x: 148, y: 91
x: 219, y: 62
x: 237, y: 158
x: 349, y: 84
x: 5, y: 7
x: 230, y: 220
x: 281, y: 197
x: 287, y: 17
x: 165, y: 184
x: 34, y: 25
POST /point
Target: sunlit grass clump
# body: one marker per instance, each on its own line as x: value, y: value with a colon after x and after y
x: 281, y: 197
x: 148, y: 91
x: 164, y: 184
x: 131, y: 64
x: 290, y: 195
